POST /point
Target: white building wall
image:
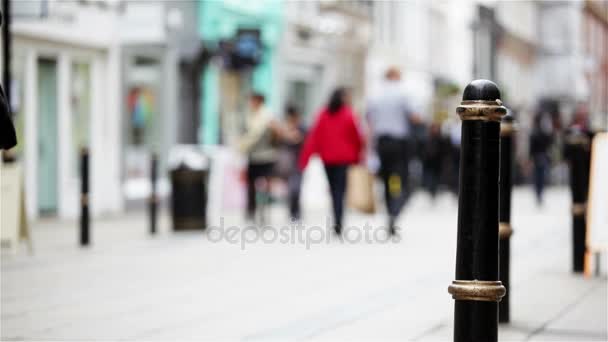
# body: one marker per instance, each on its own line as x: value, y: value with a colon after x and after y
x: 459, y: 19
x: 67, y: 188
x: 114, y: 200
x: 560, y: 67
x: 77, y: 32
x: 67, y: 44
x: 31, y: 132
x: 515, y: 74
x: 519, y: 18
x: 425, y: 39
x: 327, y: 59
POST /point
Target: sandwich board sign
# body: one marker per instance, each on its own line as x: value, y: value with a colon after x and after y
x: 597, y: 203
x: 13, y: 220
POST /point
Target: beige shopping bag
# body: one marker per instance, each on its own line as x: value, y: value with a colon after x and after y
x: 360, y: 189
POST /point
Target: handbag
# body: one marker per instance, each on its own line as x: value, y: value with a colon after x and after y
x: 360, y: 189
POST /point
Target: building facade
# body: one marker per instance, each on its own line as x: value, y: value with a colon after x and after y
x: 573, y: 65
x: 242, y: 38
x: 595, y: 54
x: 65, y: 98
x: 322, y: 44
x: 78, y: 86
x: 148, y: 90
x: 431, y: 42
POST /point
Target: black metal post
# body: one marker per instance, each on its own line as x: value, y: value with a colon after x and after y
x: 504, y: 212
x: 477, y: 289
x: 153, y: 205
x: 578, y: 153
x: 84, y: 197
x: 6, y: 51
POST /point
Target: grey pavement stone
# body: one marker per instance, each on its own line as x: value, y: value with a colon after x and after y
x: 130, y: 286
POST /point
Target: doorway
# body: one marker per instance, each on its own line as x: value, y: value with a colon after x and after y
x: 47, y: 136
x: 236, y: 87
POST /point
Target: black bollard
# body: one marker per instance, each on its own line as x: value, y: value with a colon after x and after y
x: 504, y: 212
x: 84, y: 197
x: 153, y: 205
x: 477, y: 289
x: 577, y: 150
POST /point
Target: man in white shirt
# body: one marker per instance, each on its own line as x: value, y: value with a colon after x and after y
x: 390, y: 117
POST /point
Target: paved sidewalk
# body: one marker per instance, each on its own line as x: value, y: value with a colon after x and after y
x: 131, y: 286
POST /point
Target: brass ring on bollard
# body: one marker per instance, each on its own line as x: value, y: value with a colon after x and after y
x: 84, y: 199
x: 578, y: 209
x: 582, y: 140
x: 506, y: 129
x: 504, y: 230
x: 477, y: 290
x: 481, y: 110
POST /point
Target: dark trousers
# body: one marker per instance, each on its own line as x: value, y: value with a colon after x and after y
x: 540, y: 171
x: 336, y: 176
x: 394, y: 159
x: 431, y: 180
x: 294, y: 182
x: 255, y: 173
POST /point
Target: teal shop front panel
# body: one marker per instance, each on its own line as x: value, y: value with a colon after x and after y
x: 263, y: 79
x: 210, y: 127
x: 47, y: 136
x: 221, y: 20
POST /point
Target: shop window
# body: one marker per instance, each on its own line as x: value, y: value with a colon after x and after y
x: 142, y: 122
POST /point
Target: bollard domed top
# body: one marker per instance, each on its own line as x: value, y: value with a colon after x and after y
x: 481, y: 90
x: 508, y: 119
x: 481, y: 101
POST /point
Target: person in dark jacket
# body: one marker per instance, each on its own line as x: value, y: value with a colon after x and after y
x: 577, y: 151
x: 433, y: 155
x: 540, y: 142
x: 336, y: 138
x: 293, y: 146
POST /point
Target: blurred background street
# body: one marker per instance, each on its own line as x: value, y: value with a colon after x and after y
x: 131, y: 78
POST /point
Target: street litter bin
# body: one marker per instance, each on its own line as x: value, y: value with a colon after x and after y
x: 189, y: 182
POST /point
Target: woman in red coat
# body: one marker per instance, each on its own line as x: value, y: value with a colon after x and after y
x: 337, y: 139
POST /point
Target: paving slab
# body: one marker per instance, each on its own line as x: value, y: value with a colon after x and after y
x: 184, y: 286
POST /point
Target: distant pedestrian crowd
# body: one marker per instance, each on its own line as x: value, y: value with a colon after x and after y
x: 392, y: 133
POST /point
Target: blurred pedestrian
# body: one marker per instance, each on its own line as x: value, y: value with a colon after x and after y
x: 337, y: 139
x: 541, y: 139
x: 293, y: 141
x: 452, y: 129
x: 390, y: 117
x: 433, y: 153
x: 577, y: 148
x: 258, y: 143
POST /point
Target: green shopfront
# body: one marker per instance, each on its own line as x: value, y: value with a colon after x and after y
x: 243, y: 37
